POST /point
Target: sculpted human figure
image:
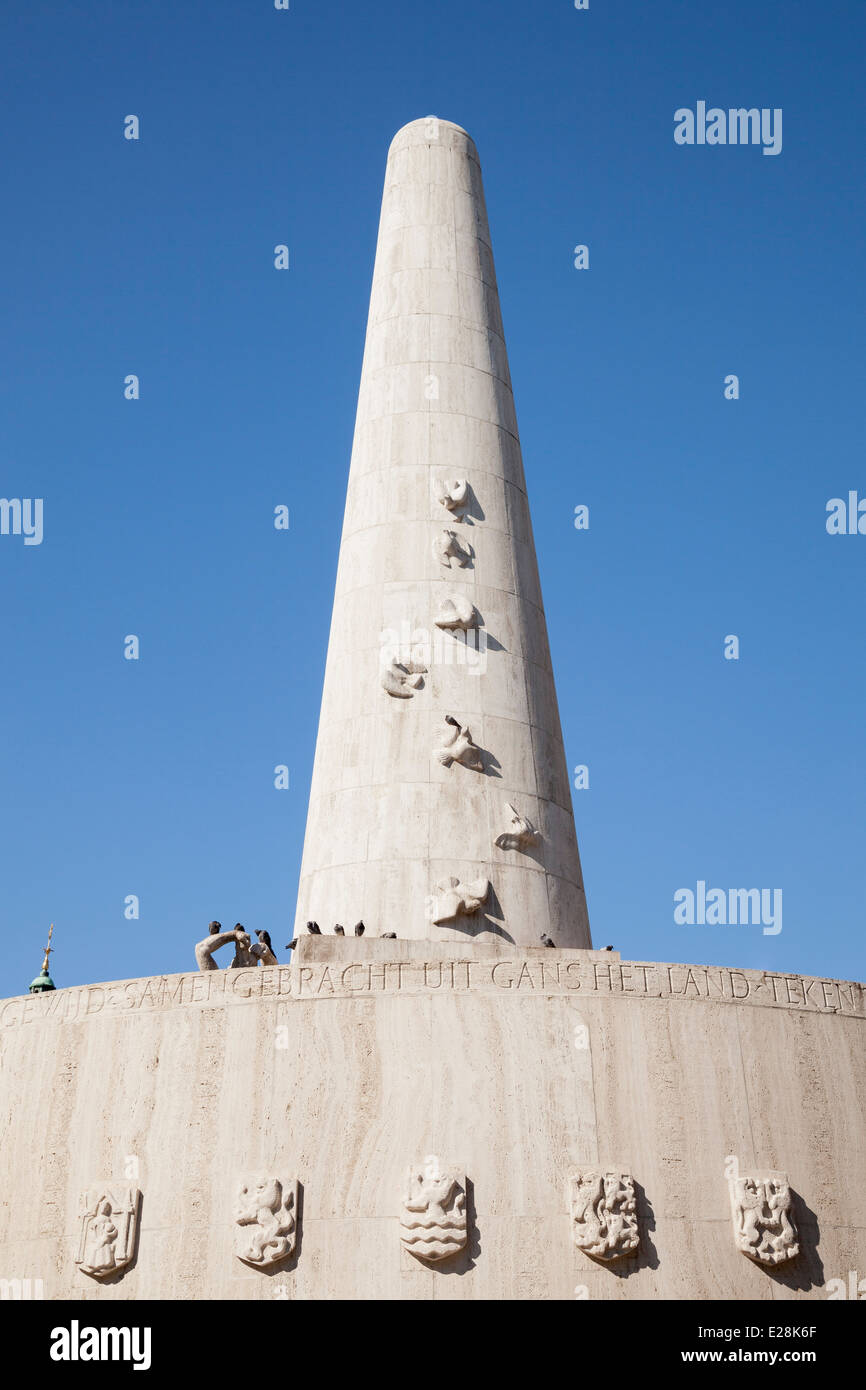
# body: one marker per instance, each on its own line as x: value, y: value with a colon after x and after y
x: 243, y: 956
x: 101, y: 1235
x: 213, y: 941
x: 109, y: 1219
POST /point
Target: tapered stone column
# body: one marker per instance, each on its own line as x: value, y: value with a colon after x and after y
x: 440, y: 804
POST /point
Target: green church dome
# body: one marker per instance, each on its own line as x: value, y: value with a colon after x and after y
x: 41, y: 983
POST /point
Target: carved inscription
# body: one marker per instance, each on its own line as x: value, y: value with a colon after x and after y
x: 532, y: 972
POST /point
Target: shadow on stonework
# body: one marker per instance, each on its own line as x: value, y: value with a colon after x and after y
x: 472, y: 508
x: 806, y: 1270
x: 492, y: 644
x: 286, y: 1265
x: 488, y: 922
x: 493, y: 918
x: 491, y: 764
x: 463, y: 1260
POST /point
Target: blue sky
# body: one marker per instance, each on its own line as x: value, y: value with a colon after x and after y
x: 707, y: 516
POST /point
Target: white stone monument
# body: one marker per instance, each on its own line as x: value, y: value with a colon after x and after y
x: 462, y: 1112
x: 439, y: 704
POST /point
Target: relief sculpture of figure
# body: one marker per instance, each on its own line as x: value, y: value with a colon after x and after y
x: 587, y: 1192
x: 205, y: 950
x: 433, y: 1219
x: 519, y: 831
x: 449, y: 550
x: 453, y: 494
x: 265, y: 1217
x: 402, y: 679
x: 108, y: 1225
x: 761, y: 1208
x: 784, y: 1237
x: 451, y: 899
x: 101, y: 1235
x: 457, y: 747
x: 750, y: 1206
x: 604, y: 1213
x: 456, y: 612
x: 243, y: 956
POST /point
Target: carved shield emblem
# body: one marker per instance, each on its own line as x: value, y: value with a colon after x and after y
x: 109, y: 1220
x: 433, y: 1218
x: 603, y: 1213
x: 764, y: 1227
x: 266, y: 1219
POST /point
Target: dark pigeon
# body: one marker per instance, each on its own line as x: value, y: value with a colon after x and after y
x: 265, y: 939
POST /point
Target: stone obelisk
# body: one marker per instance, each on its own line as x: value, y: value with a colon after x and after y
x: 440, y: 804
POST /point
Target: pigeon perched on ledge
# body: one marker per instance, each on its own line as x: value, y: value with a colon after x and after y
x: 292, y: 944
x: 389, y: 936
x: 266, y: 952
x: 359, y: 929
x: 546, y: 941
x: 339, y: 931
x: 314, y: 929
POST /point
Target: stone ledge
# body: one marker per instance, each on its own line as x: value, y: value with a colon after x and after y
x: 335, y: 968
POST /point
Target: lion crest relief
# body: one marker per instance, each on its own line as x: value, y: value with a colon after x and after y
x: 266, y: 1219
x: 604, y: 1213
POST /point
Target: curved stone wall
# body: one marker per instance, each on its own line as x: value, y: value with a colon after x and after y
x: 339, y: 1076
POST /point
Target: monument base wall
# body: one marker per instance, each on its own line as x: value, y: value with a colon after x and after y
x: 515, y: 1067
